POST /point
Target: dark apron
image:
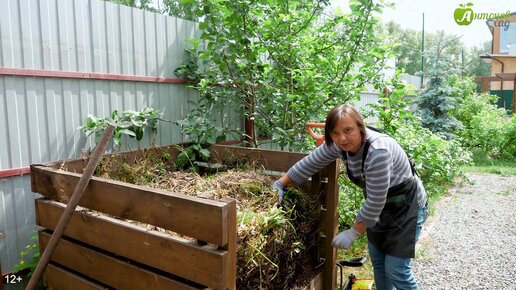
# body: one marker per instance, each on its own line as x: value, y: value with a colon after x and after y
x: 395, y: 232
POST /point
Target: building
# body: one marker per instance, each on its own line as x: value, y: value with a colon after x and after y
x: 503, y: 62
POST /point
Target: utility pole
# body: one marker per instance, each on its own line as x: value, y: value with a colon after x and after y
x: 423, y: 51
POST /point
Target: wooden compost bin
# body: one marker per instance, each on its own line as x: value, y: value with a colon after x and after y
x: 100, y: 251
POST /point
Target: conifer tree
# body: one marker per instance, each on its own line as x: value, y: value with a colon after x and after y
x: 438, y: 99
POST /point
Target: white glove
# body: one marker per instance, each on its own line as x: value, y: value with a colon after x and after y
x: 345, y: 238
x: 280, y: 188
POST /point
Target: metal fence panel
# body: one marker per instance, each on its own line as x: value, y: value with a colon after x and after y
x: 39, y: 116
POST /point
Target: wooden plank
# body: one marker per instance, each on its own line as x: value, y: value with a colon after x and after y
x: 106, y: 269
x: 195, y: 217
x: 175, y: 255
x: 329, y: 224
x: 269, y: 159
x: 231, y: 247
x: 58, y: 278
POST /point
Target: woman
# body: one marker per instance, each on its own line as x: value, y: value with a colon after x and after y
x: 395, y: 200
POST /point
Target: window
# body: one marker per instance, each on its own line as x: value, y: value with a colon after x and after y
x: 508, y: 37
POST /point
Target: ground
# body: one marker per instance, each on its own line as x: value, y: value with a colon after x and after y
x: 469, y: 242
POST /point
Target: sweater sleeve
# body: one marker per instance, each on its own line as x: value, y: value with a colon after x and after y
x: 378, y: 172
x: 315, y: 161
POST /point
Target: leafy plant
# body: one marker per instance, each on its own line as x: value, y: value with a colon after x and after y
x: 351, y: 199
x: 283, y: 63
x: 29, y: 257
x: 488, y: 130
x: 437, y: 161
x: 130, y: 123
x: 199, y: 126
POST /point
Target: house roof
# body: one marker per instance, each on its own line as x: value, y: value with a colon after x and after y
x: 490, y: 23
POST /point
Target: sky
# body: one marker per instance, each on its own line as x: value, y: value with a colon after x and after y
x: 439, y: 16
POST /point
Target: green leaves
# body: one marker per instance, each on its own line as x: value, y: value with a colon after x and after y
x: 437, y: 161
x: 288, y: 61
x: 130, y: 123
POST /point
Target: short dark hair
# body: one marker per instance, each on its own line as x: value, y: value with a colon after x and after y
x: 338, y: 113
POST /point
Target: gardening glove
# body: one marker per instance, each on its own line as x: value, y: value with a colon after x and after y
x: 345, y: 238
x: 280, y: 188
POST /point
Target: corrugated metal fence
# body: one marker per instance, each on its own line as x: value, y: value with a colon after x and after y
x: 61, y: 60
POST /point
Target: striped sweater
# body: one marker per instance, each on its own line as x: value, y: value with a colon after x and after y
x: 386, y: 165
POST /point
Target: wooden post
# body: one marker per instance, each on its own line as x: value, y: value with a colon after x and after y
x: 70, y: 208
x: 232, y: 243
x: 514, y: 96
x: 485, y: 84
x: 330, y: 226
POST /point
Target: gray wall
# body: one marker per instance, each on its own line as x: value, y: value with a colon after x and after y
x: 39, y: 116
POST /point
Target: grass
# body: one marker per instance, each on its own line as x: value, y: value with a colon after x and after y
x: 487, y: 165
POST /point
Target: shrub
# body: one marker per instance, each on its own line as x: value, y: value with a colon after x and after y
x: 488, y: 130
x: 437, y: 161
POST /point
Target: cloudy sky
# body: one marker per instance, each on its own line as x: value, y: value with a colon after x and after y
x: 439, y: 16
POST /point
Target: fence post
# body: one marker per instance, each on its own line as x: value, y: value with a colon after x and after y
x: 330, y: 226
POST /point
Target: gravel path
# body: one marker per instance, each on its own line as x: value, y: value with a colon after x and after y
x: 470, y: 241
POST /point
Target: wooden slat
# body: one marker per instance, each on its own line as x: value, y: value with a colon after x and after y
x: 58, y: 278
x: 77, y: 165
x: 199, y: 218
x: 231, y: 247
x: 183, y: 258
x: 108, y: 270
x: 329, y: 224
x: 269, y: 159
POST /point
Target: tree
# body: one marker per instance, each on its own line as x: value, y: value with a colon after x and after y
x: 408, y: 50
x: 185, y: 9
x: 284, y: 62
x: 140, y: 4
x: 439, y: 97
x: 474, y: 65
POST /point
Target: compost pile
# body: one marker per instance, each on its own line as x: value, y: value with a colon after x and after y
x: 275, y: 245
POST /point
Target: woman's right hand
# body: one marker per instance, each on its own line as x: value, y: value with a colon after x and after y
x: 280, y: 188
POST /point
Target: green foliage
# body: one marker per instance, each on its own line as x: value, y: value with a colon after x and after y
x: 29, y: 257
x: 488, y: 130
x: 494, y: 133
x: 408, y: 49
x: 282, y: 62
x: 351, y: 199
x: 130, y: 123
x: 141, y: 4
x: 439, y: 97
x: 437, y: 161
x: 199, y: 126
x: 474, y: 65
x: 189, y: 155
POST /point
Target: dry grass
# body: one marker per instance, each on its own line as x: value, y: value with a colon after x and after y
x: 275, y: 245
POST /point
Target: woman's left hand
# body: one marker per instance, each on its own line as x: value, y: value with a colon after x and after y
x: 345, y: 239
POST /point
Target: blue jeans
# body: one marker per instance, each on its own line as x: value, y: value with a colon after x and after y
x: 390, y: 271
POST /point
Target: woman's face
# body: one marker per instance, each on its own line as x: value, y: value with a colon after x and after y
x: 346, y: 135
